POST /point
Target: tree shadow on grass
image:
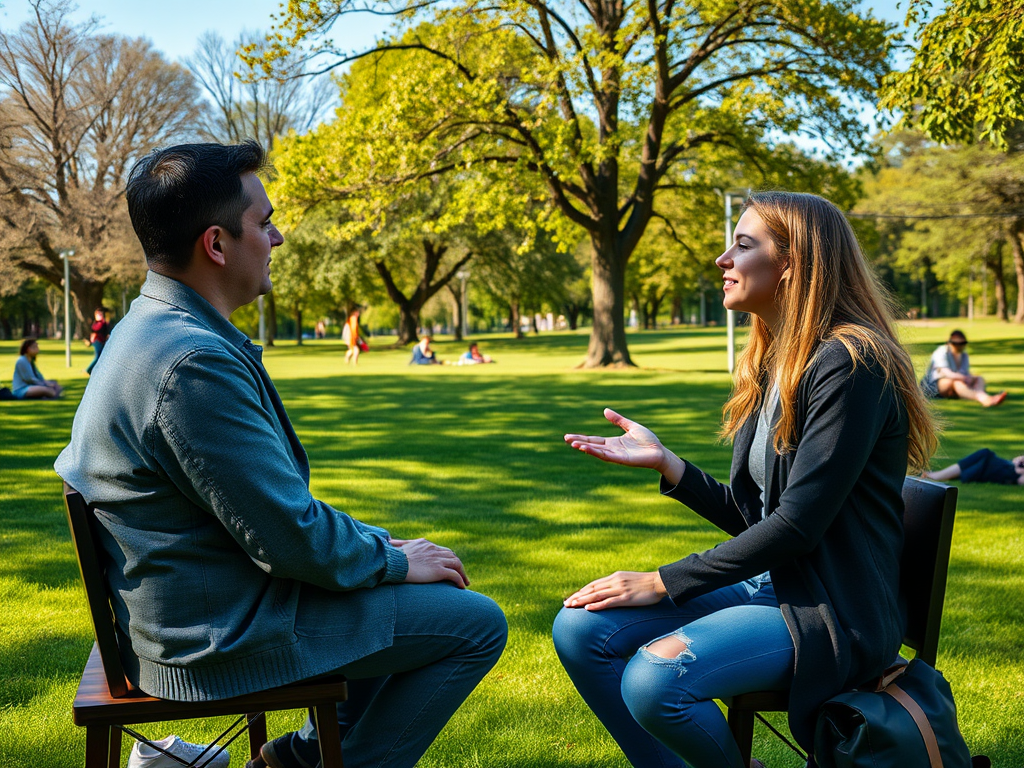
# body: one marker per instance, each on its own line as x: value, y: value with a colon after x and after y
x: 29, y: 667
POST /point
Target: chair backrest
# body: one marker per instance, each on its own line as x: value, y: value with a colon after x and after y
x: 82, y: 520
x: 929, y: 509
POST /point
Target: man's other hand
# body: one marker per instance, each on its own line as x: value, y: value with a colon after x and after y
x: 429, y: 563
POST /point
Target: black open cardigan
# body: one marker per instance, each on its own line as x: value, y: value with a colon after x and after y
x: 834, y: 532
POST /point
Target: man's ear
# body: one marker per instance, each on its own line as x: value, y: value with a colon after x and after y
x: 211, y: 244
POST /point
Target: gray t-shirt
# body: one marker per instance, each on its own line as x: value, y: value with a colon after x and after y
x: 759, y: 447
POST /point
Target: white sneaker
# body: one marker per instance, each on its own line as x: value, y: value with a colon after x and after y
x: 144, y: 756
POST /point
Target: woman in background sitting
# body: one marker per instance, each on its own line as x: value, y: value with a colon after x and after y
x: 28, y: 383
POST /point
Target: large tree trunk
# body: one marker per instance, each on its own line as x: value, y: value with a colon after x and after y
x: 1018, y: 267
x: 298, y: 325
x: 572, y: 315
x: 408, y: 323
x: 409, y: 306
x: 994, y: 265
x: 651, y: 312
x: 86, y: 296
x: 608, y: 335
x: 515, y: 318
x: 455, y: 289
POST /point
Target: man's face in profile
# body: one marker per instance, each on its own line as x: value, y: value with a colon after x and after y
x: 249, y: 255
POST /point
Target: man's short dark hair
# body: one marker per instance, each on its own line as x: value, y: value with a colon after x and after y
x: 176, y: 194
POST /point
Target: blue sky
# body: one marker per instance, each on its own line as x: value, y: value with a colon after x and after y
x: 174, y: 26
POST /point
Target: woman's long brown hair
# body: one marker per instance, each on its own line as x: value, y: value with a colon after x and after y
x: 829, y: 292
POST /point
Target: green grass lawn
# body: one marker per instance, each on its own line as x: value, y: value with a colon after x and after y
x: 473, y: 458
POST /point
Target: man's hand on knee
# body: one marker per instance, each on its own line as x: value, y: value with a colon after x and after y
x: 429, y: 563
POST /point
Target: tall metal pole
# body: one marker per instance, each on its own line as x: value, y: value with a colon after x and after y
x: 463, y: 275
x: 729, y: 314
x: 66, y: 255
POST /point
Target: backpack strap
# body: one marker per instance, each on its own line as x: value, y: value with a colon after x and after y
x: 920, y: 719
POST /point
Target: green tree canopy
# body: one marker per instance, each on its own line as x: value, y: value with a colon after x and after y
x: 605, y: 104
x: 967, y: 76
x: 415, y: 224
x: 949, y: 210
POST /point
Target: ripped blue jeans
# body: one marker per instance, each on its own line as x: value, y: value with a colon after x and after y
x: 661, y: 711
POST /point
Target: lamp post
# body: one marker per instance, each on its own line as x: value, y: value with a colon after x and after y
x: 463, y: 275
x: 66, y: 256
x: 728, y: 196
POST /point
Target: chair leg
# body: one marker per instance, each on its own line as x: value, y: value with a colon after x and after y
x: 114, y: 759
x: 742, y: 726
x: 97, y: 746
x: 257, y: 732
x: 328, y: 735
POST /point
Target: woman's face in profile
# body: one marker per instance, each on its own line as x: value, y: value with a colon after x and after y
x: 750, y: 275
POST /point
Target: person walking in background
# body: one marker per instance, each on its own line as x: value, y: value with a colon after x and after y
x: 982, y: 466
x: 28, y: 383
x: 825, y: 417
x: 949, y: 374
x: 350, y: 335
x: 99, y: 333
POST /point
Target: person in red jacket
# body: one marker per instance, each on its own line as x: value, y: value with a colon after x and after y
x: 99, y: 333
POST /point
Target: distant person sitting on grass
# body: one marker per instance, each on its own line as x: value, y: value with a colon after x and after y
x: 422, y: 354
x: 28, y: 383
x: 949, y: 374
x: 473, y: 356
x: 982, y: 466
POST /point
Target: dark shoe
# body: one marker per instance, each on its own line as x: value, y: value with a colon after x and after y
x: 756, y: 763
x: 287, y: 751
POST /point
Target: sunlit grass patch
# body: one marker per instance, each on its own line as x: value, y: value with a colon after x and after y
x: 473, y: 457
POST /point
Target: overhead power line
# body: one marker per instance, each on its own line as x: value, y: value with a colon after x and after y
x: 853, y: 215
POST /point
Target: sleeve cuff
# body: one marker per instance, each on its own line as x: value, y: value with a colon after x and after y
x: 397, y: 565
x: 675, y: 579
x: 665, y: 488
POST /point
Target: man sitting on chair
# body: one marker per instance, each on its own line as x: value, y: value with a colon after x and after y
x: 227, y: 576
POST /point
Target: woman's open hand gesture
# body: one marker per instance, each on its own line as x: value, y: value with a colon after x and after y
x: 638, y: 447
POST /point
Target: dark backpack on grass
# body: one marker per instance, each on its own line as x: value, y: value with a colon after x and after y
x: 907, y: 721
x: 6, y: 394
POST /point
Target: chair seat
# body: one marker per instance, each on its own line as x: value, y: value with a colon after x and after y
x: 759, y: 701
x: 95, y: 706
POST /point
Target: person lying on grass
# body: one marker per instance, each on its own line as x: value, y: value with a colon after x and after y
x: 825, y: 416
x: 982, y: 466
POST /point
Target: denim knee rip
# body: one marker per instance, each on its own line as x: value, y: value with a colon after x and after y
x: 680, y: 661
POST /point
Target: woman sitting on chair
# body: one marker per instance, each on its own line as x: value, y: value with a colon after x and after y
x: 824, y: 415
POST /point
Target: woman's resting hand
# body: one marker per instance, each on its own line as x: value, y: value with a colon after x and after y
x: 620, y: 590
x: 638, y: 447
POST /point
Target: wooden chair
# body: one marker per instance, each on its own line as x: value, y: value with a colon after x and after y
x: 106, y: 702
x: 928, y: 533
